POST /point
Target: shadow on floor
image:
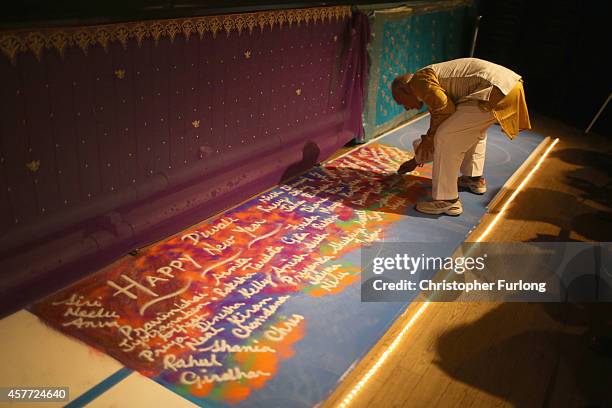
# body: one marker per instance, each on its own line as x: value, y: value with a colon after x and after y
x: 573, y: 213
x: 310, y: 158
x: 599, y: 161
x: 587, y: 212
x: 538, y: 355
x: 409, y: 186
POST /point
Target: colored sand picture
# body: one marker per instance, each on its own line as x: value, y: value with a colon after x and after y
x: 203, y: 313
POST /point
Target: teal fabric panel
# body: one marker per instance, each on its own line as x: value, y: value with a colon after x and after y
x: 405, y: 41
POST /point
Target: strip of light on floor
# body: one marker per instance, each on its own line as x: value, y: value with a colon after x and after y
x: 516, y: 192
x: 383, y: 357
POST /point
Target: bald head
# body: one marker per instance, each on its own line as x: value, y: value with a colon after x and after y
x: 401, y: 80
x: 402, y: 94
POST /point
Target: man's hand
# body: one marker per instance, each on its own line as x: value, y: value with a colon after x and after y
x: 407, y: 166
x: 426, y: 147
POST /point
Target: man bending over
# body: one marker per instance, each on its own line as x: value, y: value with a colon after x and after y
x: 464, y: 97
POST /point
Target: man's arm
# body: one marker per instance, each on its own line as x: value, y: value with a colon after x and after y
x: 425, y: 86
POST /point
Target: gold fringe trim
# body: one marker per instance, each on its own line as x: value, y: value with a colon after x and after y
x: 14, y: 42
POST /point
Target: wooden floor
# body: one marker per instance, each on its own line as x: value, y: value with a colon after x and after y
x: 511, y: 354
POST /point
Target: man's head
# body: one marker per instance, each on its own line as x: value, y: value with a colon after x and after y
x: 403, y: 95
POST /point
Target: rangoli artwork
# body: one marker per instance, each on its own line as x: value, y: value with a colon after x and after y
x: 203, y: 312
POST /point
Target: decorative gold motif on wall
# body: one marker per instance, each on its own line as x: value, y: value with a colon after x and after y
x: 33, y: 166
x: 14, y: 42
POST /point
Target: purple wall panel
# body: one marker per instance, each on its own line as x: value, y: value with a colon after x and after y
x: 87, y: 129
x: 175, y: 100
x: 18, y: 187
x: 108, y: 149
x: 39, y: 122
x: 193, y: 88
x: 124, y: 115
x: 143, y: 116
x: 159, y: 132
x: 136, y: 141
x: 63, y: 126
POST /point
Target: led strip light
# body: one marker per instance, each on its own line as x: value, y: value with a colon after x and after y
x: 515, y: 192
x: 383, y: 357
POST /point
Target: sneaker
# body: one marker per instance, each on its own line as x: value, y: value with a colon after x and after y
x: 478, y: 186
x: 440, y: 207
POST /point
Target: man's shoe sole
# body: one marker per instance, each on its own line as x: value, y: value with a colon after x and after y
x: 471, y: 190
x: 464, y: 187
x: 453, y: 212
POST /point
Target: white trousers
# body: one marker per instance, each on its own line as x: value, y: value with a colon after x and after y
x: 459, y: 144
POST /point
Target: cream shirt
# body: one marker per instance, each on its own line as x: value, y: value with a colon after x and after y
x: 473, y: 79
x: 496, y: 88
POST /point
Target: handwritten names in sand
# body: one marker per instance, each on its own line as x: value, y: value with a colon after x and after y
x: 207, y: 310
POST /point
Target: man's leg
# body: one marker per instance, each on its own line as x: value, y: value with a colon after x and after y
x: 472, y: 167
x: 456, y: 136
x: 474, y: 159
x: 459, y: 134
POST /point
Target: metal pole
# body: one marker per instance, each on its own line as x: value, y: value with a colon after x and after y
x: 598, y: 113
x: 475, y: 36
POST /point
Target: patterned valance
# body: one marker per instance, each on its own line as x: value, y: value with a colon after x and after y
x: 14, y: 42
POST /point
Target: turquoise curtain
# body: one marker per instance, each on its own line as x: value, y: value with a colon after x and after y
x: 405, y: 40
